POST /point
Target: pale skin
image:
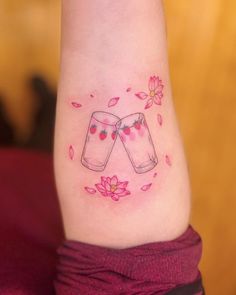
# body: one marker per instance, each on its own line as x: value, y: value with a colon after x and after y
x: 110, y: 49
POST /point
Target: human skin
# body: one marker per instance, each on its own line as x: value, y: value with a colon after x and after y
x: 112, y: 52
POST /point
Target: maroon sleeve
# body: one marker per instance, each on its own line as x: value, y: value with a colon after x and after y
x: 156, y: 268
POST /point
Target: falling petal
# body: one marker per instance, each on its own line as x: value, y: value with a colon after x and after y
x: 146, y: 187
x: 71, y: 152
x: 128, y: 89
x: 160, y: 119
x: 154, y: 175
x: 90, y: 190
x: 168, y: 160
x: 91, y: 95
x: 141, y: 95
x: 76, y: 104
x: 113, y: 101
x: 149, y: 104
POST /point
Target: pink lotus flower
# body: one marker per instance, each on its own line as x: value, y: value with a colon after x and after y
x: 112, y: 187
x: 155, y: 93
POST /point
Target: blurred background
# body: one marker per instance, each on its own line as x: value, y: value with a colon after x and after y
x: 202, y: 42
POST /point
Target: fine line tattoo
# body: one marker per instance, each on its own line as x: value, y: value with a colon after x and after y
x: 155, y: 93
x: 134, y: 134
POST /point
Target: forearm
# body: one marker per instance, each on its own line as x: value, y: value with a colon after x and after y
x: 110, y: 50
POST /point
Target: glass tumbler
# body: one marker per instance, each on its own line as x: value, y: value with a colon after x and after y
x: 136, y: 138
x: 100, y: 139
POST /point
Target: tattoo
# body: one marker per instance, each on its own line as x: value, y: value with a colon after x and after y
x: 76, y: 104
x: 168, y: 160
x: 71, y: 152
x: 146, y: 187
x: 134, y: 134
x: 105, y: 128
x: 113, y: 101
x: 100, y: 139
x: 159, y: 119
x: 112, y: 187
x: 90, y: 190
x: 155, y: 93
x: 136, y: 138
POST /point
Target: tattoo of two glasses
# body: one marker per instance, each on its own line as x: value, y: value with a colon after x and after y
x: 105, y: 128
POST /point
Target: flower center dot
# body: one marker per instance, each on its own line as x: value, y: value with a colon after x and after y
x: 113, y: 188
x: 152, y: 93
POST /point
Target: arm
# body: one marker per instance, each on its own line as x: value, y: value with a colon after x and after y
x: 119, y: 163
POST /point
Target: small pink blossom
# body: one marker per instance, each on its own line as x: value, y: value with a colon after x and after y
x: 71, y: 152
x: 90, y: 190
x: 112, y: 187
x: 146, y: 187
x: 76, y: 104
x: 113, y: 101
x: 155, y: 93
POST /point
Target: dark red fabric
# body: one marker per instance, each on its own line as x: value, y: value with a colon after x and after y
x: 148, y: 269
x: 30, y: 223
x: 31, y: 231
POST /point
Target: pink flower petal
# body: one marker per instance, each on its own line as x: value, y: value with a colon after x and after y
x: 107, y: 187
x: 76, y: 104
x: 90, y: 190
x: 141, y: 95
x: 122, y: 184
x: 159, y: 119
x: 103, y: 180
x: 149, y: 104
x: 159, y: 88
x: 113, y: 101
x: 124, y: 194
x: 146, y: 187
x: 168, y: 160
x: 115, y: 197
x: 119, y: 191
x: 160, y: 94
x: 71, y: 152
x: 157, y: 100
x: 100, y: 188
x: 152, y: 83
x: 114, y: 180
x: 128, y: 89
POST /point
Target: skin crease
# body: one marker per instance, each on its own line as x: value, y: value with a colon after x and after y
x: 108, y: 48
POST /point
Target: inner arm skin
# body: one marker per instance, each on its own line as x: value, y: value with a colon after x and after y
x: 108, y: 46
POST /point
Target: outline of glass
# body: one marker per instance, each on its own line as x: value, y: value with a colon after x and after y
x: 153, y: 160
x: 84, y: 159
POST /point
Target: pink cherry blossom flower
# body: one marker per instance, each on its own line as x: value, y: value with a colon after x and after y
x: 155, y: 93
x: 112, y: 187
